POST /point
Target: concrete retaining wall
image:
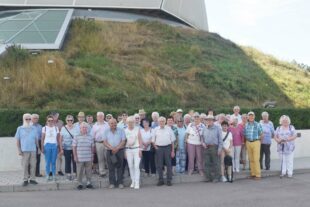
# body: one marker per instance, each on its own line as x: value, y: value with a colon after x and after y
x: 10, y: 161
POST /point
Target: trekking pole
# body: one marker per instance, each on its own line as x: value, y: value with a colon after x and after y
x: 282, y: 145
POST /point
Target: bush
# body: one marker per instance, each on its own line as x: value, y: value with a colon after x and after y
x: 11, y: 119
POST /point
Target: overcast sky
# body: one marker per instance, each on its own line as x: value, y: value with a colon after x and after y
x: 277, y: 27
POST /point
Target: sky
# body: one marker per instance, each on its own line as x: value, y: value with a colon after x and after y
x: 277, y: 27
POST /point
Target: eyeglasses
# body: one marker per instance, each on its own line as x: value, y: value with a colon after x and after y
x: 70, y: 120
x: 28, y: 119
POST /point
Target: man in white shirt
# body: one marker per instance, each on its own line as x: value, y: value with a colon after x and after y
x: 236, y: 114
x: 97, y: 133
x: 163, y: 140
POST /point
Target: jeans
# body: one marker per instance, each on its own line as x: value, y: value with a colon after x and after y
x: 50, y: 151
x: 149, y: 161
x: 68, y: 161
x: 181, y: 160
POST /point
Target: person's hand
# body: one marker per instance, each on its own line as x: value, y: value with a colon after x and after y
x: 20, y: 153
x: 140, y: 153
x: 172, y: 154
x: 42, y: 151
x: 204, y: 145
x: 76, y: 159
x: 39, y: 151
x: 219, y: 153
x: 61, y: 152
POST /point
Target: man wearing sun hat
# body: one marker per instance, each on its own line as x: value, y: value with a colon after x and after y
x: 81, y: 119
x: 142, y: 114
x: 253, y: 133
x: 212, y: 143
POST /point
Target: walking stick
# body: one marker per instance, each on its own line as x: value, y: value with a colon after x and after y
x: 282, y: 145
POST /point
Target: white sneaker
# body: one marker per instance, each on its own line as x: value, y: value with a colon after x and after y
x: 132, y: 185
x: 137, y: 186
x: 224, y: 179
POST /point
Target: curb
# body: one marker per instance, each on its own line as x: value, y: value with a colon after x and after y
x: 150, y: 181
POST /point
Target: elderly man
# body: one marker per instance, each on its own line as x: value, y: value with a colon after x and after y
x: 236, y: 114
x: 81, y: 119
x: 83, y: 152
x: 155, y: 116
x: 38, y: 127
x: 90, y: 120
x: 253, y: 134
x: 268, y: 130
x: 114, y: 140
x: 212, y: 143
x: 27, y: 145
x: 142, y: 114
x: 97, y: 133
x: 163, y: 141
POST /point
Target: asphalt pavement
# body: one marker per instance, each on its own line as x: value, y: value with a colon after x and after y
x: 270, y: 191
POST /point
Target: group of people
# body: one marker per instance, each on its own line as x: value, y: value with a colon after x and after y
x: 163, y: 145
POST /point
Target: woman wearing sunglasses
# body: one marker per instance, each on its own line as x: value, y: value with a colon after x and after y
x: 67, y: 134
x: 50, y: 144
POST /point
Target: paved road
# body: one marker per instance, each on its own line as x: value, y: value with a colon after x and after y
x: 271, y: 191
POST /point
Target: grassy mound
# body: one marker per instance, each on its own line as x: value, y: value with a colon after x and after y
x: 107, y: 65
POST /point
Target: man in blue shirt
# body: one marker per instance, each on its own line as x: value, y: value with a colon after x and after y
x: 253, y: 134
x: 114, y: 140
x: 268, y: 130
x: 27, y: 144
x: 38, y: 127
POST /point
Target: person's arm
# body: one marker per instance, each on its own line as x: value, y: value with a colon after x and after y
x: 293, y: 136
x: 260, y: 132
x: 220, y: 141
x: 42, y: 143
x: 106, y: 143
x: 19, y: 147
x: 38, y: 146
x: 75, y: 154
x: 59, y: 143
x: 140, y: 144
x: 173, y: 138
x: 154, y: 139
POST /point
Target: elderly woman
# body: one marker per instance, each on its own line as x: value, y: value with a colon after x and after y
x: 51, y: 145
x: 133, y: 151
x: 268, y: 129
x: 67, y: 134
x: 238, y: 139
x: 148, y: 152
x: 243, y: 155
x: 27, y: 144
x: 194, y: 147
x: 285, y: 135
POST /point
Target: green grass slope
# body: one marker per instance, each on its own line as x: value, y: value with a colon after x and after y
x: 107, y: 65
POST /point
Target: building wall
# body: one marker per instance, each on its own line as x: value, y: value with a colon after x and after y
x: 192, y: 12
x: 10, y: 161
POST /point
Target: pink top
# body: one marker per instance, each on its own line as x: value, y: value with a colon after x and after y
x: 237, y: 134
